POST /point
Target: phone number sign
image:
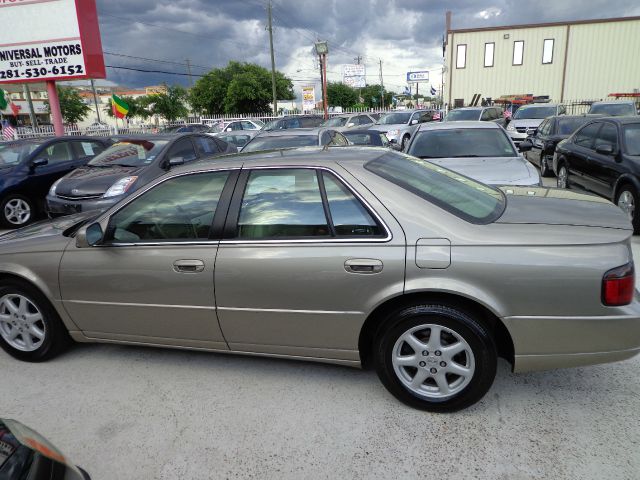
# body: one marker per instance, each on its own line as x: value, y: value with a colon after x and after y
x: 50, y: 40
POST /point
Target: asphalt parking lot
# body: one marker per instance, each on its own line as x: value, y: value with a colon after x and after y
x: 131, y: 412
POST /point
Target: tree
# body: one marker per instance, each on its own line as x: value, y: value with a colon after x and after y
x: 71, y: 105
x: 238, y: 88
x: 138, y: 107
x: 341, y: 95
x: 371, y: 96
x: 170, y: 105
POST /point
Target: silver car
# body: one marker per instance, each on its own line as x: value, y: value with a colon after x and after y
x: 295, y: 138
x: 529, y: 117
x: 238, y: 138
x: 480, y: 150
x: 355, y: 256
x: 350, y: 120
x: 400, y: 126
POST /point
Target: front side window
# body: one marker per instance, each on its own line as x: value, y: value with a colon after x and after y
x: 461, y: 56
x: 206, y: 146
x: 59, y: 152
x: 486, y: 115
x: 182, y: 148
x: 518, y: 52
x: 608, y: 136
x: 179, y: 209
x: 12, y: 154
x: 586, y: 136
x: 547, y: 51
x: 489, y: 48
x: 470, y: 200
x: 461, y: 143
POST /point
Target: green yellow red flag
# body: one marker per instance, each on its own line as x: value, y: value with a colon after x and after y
x: 119, y: 106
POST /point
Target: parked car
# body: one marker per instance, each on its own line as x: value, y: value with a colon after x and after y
x: 25, y: 454
x: 28, y: 168
x: 343, y: 122
x: 481, y: 114
x: 125, y: 167
x: 529, y: 117
x: 238, y: 138
x: 540, y: 146
x: 429, y: 279
x: 245, y: 124
x: 372, y: 138
x: 189, y: 128
x: 603, y: 157
x: 615, y: 108
x: 295, y: 121
x: 400, y: 126
x: 294, y: 138
x: 480, y: 150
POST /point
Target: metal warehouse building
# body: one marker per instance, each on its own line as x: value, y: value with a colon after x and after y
x: 582, y: 60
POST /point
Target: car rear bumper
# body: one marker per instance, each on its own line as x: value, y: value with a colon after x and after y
x: 555, y: 342
x: 57, y: 206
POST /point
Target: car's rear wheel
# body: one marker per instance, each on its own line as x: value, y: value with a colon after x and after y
x: 16, y: 211
x: 30, y: 328
x: 545, y: 170
x: 563, y: 177
x: 436, y: 358
x: 627, y: 200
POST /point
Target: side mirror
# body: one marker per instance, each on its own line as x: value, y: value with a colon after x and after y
x: 532, y: 131
x: 39, y: 162
x: 176, y: 161
x: 89, y: 236
x: 605, y: 149
x: 350, y: 124
x: 413, y: 122
x: 228, y: 129
x: 525, y: 146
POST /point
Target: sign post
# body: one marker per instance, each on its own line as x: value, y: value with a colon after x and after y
x: 50, y: 41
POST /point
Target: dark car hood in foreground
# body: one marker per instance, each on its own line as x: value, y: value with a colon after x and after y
x: 551, y: 206
x: 92, y: 181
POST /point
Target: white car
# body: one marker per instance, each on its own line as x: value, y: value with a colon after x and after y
x: 529, y: 117
x: 343, y: 122
x: 235, y: 125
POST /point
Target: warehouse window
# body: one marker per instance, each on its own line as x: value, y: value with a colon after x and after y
x: 518, y: 52
x: 488, y: 54
x: 547, y: 51
x: 461, y: 56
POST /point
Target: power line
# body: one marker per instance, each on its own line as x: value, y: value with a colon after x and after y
x: 120, y: 67
x: 157, y: 60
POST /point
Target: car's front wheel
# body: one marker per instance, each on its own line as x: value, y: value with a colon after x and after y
x: 30, y: 328
x: 16, y: 211
x: 436, y: 358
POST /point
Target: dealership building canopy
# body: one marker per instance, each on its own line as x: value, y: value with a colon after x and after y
x: 581, y: 60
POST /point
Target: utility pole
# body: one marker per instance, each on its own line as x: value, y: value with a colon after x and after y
x: 27, y: 94
x: 189, y: 71
x: 357, y: 59
x: 95, y: 99
x: 273, y: 62
x: 381, y: 86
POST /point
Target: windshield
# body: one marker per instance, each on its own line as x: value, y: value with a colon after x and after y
x: 335, y: 122
x: 395, y: 118
x: 284, y: 141
x: 129, y: 153
x: 462, y: 196
x: 461, y: 142
x: 217, y: 128
x: 566, y: 126
x: 534, y: 113
x: 613, y: 109
x: 13, y: 153
x: 632, y: 138
x: 457, y: 115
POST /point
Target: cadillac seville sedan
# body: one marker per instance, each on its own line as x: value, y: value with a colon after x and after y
x: 355, y: 256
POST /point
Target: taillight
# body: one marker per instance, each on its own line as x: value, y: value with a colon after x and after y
x: 618, y: 285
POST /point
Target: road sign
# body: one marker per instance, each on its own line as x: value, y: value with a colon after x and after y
x: 354, y: 75
x: 416, y: 77
x: 308, y: 98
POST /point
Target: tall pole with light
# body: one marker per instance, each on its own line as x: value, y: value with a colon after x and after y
x: 322, y: 48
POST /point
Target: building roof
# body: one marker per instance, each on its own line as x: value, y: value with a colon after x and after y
x: 550, y: 24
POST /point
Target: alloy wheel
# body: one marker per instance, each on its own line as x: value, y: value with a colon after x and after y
x: 433, y: 361
x: 17, y: 211
x: 627, y: 203
x: 562, y: 177
x: 21, y: 323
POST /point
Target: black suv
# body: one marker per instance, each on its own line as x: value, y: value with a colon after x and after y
x: 603, y: 157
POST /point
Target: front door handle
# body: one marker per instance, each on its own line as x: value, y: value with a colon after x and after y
x: 188, y: 266
x: 363, y: 265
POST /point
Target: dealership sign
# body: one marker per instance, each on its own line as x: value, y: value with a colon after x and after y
x: 308, y: 98
x: 416, y: 77
x: 49, y: 40
x: 354, y: 75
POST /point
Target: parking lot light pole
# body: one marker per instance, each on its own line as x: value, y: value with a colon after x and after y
x: 322, y: 49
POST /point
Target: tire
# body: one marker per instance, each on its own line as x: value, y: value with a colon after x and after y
x: 405, y: 140
x: 563, y: 176
x: 16, y: 211
x: 545, y: 171
x: 35, y: 339
x: 441, y: 390
x: 627, y: 199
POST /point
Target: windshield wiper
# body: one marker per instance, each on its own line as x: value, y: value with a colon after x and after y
x: 429, y: 156
x: 466, y: 156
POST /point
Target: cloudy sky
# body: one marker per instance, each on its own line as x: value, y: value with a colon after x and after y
x: 405, y: 34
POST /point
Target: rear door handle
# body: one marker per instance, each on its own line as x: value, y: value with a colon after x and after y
x: 363, y: 265
x: 188, y: 266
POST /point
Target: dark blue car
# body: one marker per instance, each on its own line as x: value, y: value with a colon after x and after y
x: 28, y: 168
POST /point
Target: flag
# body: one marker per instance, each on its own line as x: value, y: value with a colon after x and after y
x: 507, y: 113
x: 8, y: 132
x: 436, y: 116
x: 15, y: 109
x: 433, y: 90
x: 119, y: 107
x: 3, y: 99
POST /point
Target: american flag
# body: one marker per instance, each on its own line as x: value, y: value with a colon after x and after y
x: 507, y: 113
x: 8, y: 132
x: 436, y: 116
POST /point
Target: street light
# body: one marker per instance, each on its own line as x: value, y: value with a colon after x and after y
x: 322, y: 48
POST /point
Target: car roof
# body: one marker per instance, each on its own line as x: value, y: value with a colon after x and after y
x: 539, y: 105
x: 154, y: 136
x: 620, y: 120
x: 360, y: 130
x: 43, y: 140
x: 458, y: 125
x: 291, y: 132
x: 469, y: 108
x: 614, y: 102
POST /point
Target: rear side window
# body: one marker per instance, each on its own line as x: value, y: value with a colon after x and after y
x: 586, y: 136
x: 182, y: 148
x: 608, y: 135
x: 206, y: 146
x: 470, y: 200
